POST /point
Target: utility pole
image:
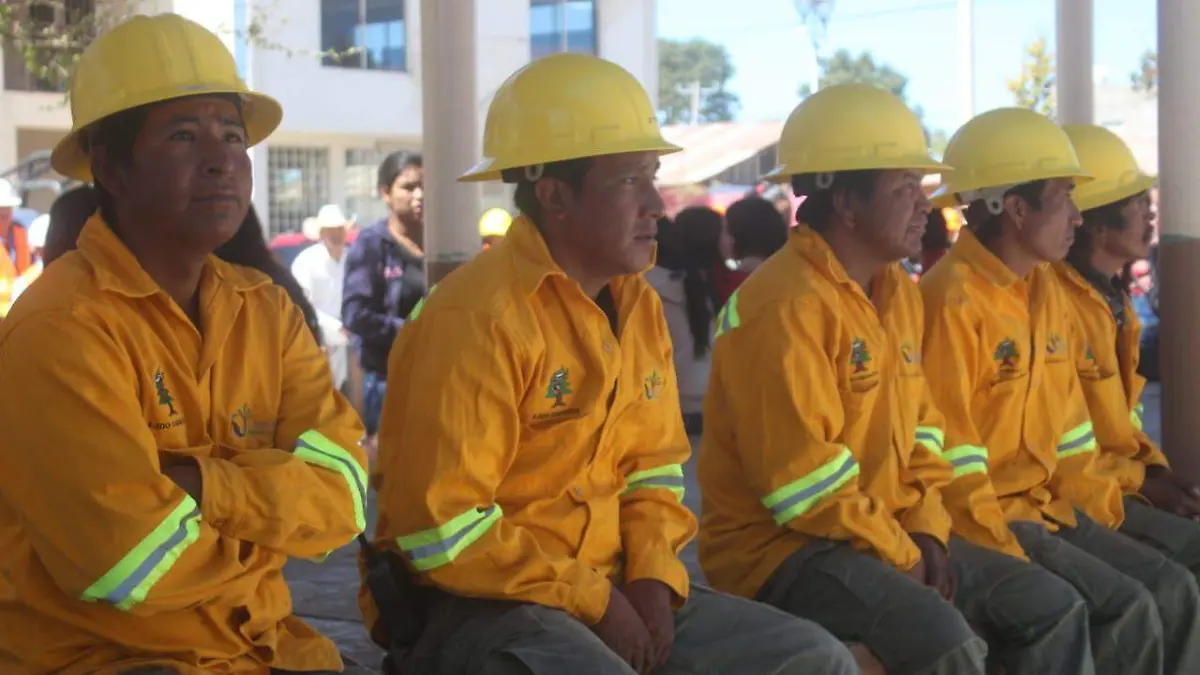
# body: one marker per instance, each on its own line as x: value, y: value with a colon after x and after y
x: 695, y: 102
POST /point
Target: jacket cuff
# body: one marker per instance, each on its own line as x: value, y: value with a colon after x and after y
x: 589, y: 598
x: 222, y: 503
x: 928, y: 517
x: 666, y: 568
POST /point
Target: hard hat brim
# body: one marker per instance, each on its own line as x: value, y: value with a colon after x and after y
x: 947, y: 194
x: 260, y: 113
x: 489, y: 169
x: 925, y: 165
x: 1141, y: 184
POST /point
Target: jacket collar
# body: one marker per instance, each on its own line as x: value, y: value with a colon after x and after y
x: 971, y: 251
x: 534, y: 265
x: 117, y: 270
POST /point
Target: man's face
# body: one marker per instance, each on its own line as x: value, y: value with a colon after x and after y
x: 189, y: 178
x: 1132, y: 242
x: 334, y: 236
x: 893, y: 220
x: 406, y: 196
x: 612, y: 219
x: 1047, y: 233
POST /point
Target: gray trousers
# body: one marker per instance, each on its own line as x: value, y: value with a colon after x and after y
x: 714, y: 634
x: 1142, y: 606
x: 858, y: 598
x: 348, y: 670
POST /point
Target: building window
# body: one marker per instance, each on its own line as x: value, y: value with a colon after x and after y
x: 366, y: 34
x: 562, y: 26
x: 362, y: 193
x: 299, y: 185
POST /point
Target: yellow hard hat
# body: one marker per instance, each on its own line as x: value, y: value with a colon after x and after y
x: 494, y: 223
x: 150, y: 59
x: 852, y: 127
x: 1106, y: 157
x: 566, y: 106
x: 1003, y: 148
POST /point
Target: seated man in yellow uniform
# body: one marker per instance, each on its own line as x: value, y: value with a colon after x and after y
x: 999, y: 343
x: 829, y: 490
x: 530, y: 467
x: 172, y: 434
x: 1161, y: 506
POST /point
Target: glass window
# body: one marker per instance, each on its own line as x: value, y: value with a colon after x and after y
x: 362, y: 195
x: 562, y: 26
x: 366, y: 34
x: 299, y: 185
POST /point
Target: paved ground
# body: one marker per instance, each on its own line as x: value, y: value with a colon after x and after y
x: 325, y: 595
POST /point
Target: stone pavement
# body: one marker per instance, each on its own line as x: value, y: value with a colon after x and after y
x: 325, y: 595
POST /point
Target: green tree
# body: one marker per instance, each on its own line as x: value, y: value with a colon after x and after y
x: 1145, y: 78
x: 685, y: 65
x: 1034, y: 88
x: 49, y: 35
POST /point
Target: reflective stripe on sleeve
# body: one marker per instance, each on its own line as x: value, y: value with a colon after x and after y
x: 1135, y: 416
x: 727, y: 318
x: 932, y: 438
x: 317, y: 450
x: 669, y: 477
x: 1077, y: 441
x: 799, y: 497
x: 440, y: 545
x: 967, y: 459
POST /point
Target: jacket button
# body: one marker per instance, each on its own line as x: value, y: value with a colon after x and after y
x: 578, y: 492
x: 608, y: 346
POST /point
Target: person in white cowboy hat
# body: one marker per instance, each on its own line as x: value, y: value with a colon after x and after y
x: 198, y: 442
x: 321, y: 271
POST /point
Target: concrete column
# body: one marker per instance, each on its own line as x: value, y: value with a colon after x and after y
x: 1076, y: 95
x: 451, y: 131
x: 1179, y: 218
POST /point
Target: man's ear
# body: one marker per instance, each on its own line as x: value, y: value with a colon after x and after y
x: 105, y: 172
x: 843, y: 207
x: 554, y: 196
x: 1017, y: 209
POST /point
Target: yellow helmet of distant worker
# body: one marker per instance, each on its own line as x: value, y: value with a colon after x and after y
x: 562, y: 107
x: 1001, y: 149
x: 852, y: 127
x: 151, y: 59
x: 1104, y: 155
x: 494, y: 223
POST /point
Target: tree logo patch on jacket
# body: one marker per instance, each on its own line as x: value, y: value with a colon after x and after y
x: 559, y: 388
x: 164, y: 394
x: 859, y: 356
x: 1006, y: 354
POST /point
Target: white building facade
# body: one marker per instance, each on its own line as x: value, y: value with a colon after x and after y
x: 343, y: 116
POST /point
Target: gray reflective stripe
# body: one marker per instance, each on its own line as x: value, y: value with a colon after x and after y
x: 800, y: 496
x: 440, y: 545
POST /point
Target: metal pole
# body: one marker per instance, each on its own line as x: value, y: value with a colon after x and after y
x: 1075, y: 23
x: 450, y: 128
x: 1179, y: 248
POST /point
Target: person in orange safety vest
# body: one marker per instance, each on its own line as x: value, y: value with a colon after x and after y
x: 830, y: 488
x: 172, y: 435
x: 999, y: 352
x: 530, y: 468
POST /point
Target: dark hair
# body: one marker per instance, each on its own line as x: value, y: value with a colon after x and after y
x: 1107, y: 217
x: 248, y: 248
x: 395, y: 164
x: 68, y: 214
x: 692, y: 245
x: 986, y: 225
x: 756, y: 227
x: 571, y: 171
x: 937, y: 233
x: 817, y: 209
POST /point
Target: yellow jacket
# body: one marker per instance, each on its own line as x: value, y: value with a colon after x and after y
x: 106, y: 565
x: 1108, y: 362
x: 998, y: 355
x: 530, y: 455
x: 818, y: 423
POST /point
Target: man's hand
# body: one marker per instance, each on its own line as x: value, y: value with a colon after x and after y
x: 1170, y: 492
x: 651, y: 599
x: 939, y: 573
x: 185, y: 473
x: 625, y: 633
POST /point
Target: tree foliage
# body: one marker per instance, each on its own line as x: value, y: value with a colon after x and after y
x: 1034, y: 88
x: 683, y: 64
x: 49, y: 35
x: 1145, y: 78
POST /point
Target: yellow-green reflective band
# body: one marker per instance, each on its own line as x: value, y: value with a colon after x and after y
x: 440, y: 545
x: 130, y: 580
x: 799, y: 497
x: 669, y: 477
x: 1077, y: 441
x: 416, y: 310
x: 727, y: 318
x: 933, y: 438
x: 967, y: 459
x: 315, y: 449
x: 1135, y: 416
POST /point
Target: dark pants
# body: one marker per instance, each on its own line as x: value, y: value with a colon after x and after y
x: 348, y: 670
x: 374, y: 389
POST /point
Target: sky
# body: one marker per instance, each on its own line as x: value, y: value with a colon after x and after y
x: 773, y: 55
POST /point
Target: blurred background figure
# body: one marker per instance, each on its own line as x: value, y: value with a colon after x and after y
x: 690, y: 250
x: 321, y: 272
x: 68, y: 213
x: 493, y: 225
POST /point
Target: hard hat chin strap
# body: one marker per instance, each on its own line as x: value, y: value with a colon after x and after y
x: 535, y: 172
x: 823, y: 180
x: 992, y: 197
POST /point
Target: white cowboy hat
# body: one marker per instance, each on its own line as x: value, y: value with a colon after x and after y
x: 330, y: 216
x: 8, y: 195
x: 36, y: 234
